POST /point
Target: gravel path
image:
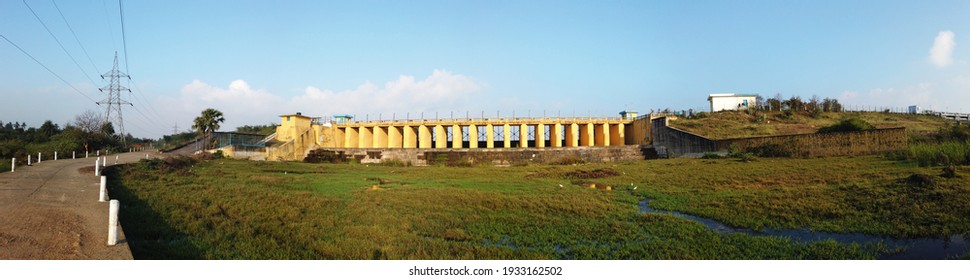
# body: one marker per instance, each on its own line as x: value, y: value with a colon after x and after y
x: 51, y: 211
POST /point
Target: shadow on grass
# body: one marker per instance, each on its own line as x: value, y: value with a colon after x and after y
x: 149, y: 236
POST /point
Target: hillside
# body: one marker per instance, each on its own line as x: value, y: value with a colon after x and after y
x: 732, y: 124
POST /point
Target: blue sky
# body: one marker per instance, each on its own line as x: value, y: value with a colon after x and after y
x: 255, y: 60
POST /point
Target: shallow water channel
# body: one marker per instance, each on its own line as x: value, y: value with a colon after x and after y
x: 913, y: 249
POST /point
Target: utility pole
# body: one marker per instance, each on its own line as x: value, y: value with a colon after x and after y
x: 114, y: 100
x: 175, y: 130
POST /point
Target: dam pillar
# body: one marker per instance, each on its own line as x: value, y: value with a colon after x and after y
x: 489, y: 136
x: 395, y: 137
x: 424, y: 137
x: 410, y: 137
x: 555, y: 135
x: 600, y: 135
x: 366, y: 137
x: 523, y: 136
x: 380, y: 137
x: 540, y: 135
x: 507, y: 135
x: 572, y: 135
x: 472, y: 136
x: 351, y: 137
x: 440, y: 137
x: 456, y: 136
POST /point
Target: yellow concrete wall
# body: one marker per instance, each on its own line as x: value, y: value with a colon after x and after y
x: 441, y: 137
x: 473, y: 136
x: 456, y: 137
x: 599, y: 138
x: 489, y: 136
x: 540, y: 135
x: 410, y: 137
x: 555, y: 135
x: 366, y: 137
x: 380, y: 137
x: 616, y: 135
x: 338, y: 137
x: 351, y: 137
x: 395, y: 137
x: 572, y: 135
x: 585, y: 134
x: 507, y: 139
x: 424, y: 136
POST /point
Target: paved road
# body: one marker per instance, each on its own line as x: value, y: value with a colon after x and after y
x: 51, y: 211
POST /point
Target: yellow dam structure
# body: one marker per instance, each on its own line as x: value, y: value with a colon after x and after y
x: 298, y: 134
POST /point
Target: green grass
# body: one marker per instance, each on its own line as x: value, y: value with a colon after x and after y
x: 735, y: 124
x: 228, y: 209
x: 932, y: 154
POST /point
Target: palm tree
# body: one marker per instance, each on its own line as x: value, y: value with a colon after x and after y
x: 207, y: 123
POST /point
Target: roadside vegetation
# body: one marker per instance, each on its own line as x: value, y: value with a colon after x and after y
x: 86, y: 133
x: 185, y: 208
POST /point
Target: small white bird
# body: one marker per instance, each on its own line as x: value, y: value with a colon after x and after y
x: 560, y: 186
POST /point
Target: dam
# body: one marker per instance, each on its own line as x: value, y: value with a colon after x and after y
x: 298, y: 134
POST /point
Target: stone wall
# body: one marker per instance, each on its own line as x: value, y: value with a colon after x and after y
x: 499, y: 157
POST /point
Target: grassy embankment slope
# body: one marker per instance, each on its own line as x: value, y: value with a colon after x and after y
x: 227, y: 209
x: 734, y: 124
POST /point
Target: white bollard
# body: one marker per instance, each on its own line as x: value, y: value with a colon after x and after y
x: 104, y: 189
x: 38, y: 157
x: 104, y: 161
x: 13, y: 164
x: 97, y: 167
x: 28, y: 159
x: 85, y: 154
x: 116, y: 160
x: 73, y: 154
x: 113, y: 222
x: 97, y: 153
x: 55, y: 155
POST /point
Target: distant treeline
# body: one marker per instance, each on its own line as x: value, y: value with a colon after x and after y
x: 87, y: 133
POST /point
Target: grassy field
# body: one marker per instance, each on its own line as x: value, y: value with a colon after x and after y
x: 228, y: 209
x: 735, y: 124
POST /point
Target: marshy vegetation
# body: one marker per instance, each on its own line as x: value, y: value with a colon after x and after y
x: 228, y: 209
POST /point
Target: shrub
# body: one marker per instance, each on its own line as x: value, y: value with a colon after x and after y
x: 848, y: 125
x: 699, y: 115
x: 771, y: 150
x: 710, y: 155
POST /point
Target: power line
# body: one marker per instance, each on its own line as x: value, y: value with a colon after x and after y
x: 59, y: 42
x: 124, y: 40
x: 75, y: 36
x: 107, y: 19
x: 48, y: 69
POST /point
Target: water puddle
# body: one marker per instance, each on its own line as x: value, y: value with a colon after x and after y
x: 913, y: 249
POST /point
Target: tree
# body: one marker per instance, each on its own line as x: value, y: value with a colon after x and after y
x: 207, y: 123
x: 107, y: 129
x: 89, y: 121
x: 48, y: 129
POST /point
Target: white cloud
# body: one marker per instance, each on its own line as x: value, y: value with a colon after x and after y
x: 439, y: 91
x: 941, y: 54
x: 243, y: 105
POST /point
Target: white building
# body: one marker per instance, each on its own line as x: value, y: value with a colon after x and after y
x: 731, y: 101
